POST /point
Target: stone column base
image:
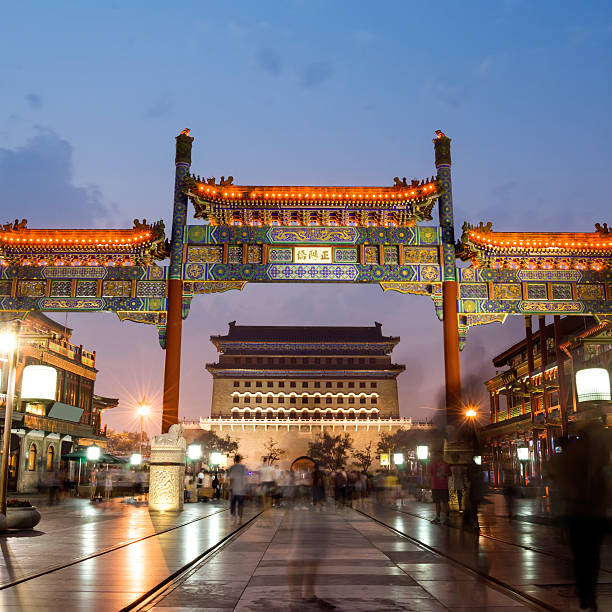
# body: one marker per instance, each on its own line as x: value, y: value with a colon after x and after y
x: 167, y: 476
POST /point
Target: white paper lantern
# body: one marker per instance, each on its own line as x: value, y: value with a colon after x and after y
x: 523, y: 453
x: 593, y: 385
x: 38, y: 383
x: 194, y: 451
x: 93, y: 453
x: 422, y: 452
x: 217, y: 458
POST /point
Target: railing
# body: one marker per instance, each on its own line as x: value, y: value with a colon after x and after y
x: 47, y: 424
x: 71, y: 351
x: 367, y: 424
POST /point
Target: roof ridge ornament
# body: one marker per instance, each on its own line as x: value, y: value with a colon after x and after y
x: 16, y: 226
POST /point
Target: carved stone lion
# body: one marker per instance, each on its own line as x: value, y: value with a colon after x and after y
x: 173, y: 438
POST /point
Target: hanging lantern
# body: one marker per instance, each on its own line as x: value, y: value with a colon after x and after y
x: 593, y: 385
x: 422, y: 452
x: 522, y: 453
x: 93, y: 453
x: 38, y: 383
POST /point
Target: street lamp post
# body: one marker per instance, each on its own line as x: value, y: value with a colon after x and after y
x: 143, y: 410
x: 522, y: 453
x: 8, y: 346
x: 422, y: 454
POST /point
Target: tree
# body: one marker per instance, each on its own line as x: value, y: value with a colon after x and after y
x: 405, y: 440
x: 273, y: 452
x: 211, y: 442
x: 363, y: 458
x: 330, y: 452
x: 125, y: 442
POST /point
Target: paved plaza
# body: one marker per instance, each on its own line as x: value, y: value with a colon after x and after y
x: 85, y: 556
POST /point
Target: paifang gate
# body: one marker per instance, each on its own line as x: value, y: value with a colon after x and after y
x: 297, y: 234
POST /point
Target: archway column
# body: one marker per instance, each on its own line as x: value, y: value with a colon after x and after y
x: 450, y: 322
x: 174, y: 321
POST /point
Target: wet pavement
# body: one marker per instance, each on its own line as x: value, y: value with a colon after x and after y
x: 289, y: 559
x: 78, y: 528
x: 306, y: 560
x: 107, y: 581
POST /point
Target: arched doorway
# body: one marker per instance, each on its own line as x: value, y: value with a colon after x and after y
x: 303, y: 464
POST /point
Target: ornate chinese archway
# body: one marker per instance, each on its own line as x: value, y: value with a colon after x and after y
x: 281, y: 234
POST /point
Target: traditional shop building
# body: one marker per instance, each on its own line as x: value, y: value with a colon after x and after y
x: 44, y: 431
x: 289, y: 383
x: 534, y: 400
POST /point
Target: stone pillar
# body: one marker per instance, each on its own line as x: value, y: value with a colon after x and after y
x: 166, y: 482
x: 174, y: 321
x: 450, y: 323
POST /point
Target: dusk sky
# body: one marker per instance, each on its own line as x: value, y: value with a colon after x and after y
x: 302, y: 92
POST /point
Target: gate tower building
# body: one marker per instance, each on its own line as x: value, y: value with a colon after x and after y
x: 282, y: 372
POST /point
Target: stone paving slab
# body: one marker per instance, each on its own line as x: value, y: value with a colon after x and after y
x: 340, y: 557
x: 76, y: 528
x: 114, y: 580
x: 526, y: 570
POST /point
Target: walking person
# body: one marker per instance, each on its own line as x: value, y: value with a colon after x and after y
x: 108, y: 485
x: 340, y: 482
x: 439, y: 472
x: 476, y: 493
x: 584, y: 480
x: 93, y: 484
x: 238, y: 475
x: 458, y: 473
x: 215, y: 486
x: 318, y: 487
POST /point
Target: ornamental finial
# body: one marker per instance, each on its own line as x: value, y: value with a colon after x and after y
x: 442, y: 149
x: 183, y: 147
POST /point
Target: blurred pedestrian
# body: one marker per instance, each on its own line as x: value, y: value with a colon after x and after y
x: 476, y: 494
x: 108, y: 485
x: 439, y: 472
x: 267, y: 483
x: 340, y: 482
x: 511, y: 491
x: 584, y: 477
x: 458, y: 472
x: 93, y: 484
x: 318, y: 487
x: 216, y: 486
x: 238, y: 475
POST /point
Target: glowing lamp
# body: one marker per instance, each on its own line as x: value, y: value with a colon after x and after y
x: 470, y: 412
x: 593, y: 385
x: 398, y: 458
x: 522, y: 453
x: 194, y: 451
x: 93, y: 453
x: 143, y: 410
x: 8, y: 342
x: 217, y: 458
x: 477, y: 460
x: 136, y: 459
x: 422, y: 452
x: 38, y: 383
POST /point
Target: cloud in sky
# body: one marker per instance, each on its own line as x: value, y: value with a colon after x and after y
x: 315, y: 73
x: 269, y: 60
x: 34, y: 100
x: 161, y: 107
x: 36, y: 181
